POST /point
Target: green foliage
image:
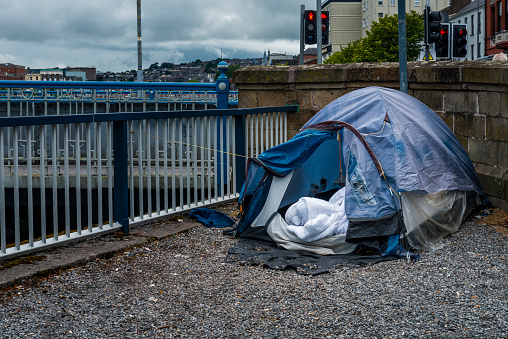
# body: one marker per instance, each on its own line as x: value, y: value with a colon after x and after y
x: 382, y: 42
x: 154, y: 65
x: 167, y: 65
x: 229, y: 72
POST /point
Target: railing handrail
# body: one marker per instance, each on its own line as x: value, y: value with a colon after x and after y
x: 108, y: 85
x: 126, y: 116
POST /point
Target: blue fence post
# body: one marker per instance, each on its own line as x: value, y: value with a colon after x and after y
x: 240, y: 151
x: 222, y: 89
x: 120, y: 193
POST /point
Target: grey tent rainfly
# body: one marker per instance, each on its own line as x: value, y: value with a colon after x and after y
x: 375, y: 173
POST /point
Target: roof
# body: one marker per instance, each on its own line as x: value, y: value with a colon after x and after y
x: 472, y: 6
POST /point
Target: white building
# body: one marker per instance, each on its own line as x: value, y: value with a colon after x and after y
x: 473, y: 15
x: 351, y: 19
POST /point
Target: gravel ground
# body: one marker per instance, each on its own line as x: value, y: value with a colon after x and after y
x: 182, y: 287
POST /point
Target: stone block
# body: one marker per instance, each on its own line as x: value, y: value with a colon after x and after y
x: 464, y: 141
x: 433, y: 99
x: 460, y: 102
x: 320, y: 74
x: 247, y: 99
x: 373, y: 72
x: 489, y: 103
x: 262, y: 75
x: 493, y: 180
x: 271, y: 98
x: 469, y: 125
x: 501, y: 153
x: 481, y: 151
x: 432, y: 72
x: 491, y: 73
x: 447, y: 118
x: 497, y: 129
x: 504, y: 105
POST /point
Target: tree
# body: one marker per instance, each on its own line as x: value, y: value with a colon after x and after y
x: 229, y: 71
x: 154, y: 65
x: 382, y: 42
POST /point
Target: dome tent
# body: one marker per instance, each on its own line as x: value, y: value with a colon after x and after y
x: 405, y: 176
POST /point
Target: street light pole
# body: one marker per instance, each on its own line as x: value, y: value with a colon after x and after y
x: 140, y: 63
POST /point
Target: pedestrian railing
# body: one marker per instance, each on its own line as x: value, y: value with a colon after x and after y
x: 67, y: 177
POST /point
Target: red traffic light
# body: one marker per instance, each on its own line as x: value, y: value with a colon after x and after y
x: 324, y: 15
x: 443, y: 32
x: 463, y: 32
x: 311, y: 16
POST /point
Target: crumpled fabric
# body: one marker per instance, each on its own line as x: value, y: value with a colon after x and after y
x: 211, y: 218
x: 311, y: 219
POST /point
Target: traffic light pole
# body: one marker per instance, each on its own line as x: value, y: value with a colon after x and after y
x: 319, y: 32
x: 402, y: 47
x: 302, y: 33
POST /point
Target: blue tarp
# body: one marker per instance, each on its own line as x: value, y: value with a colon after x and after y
x: 211, y: 218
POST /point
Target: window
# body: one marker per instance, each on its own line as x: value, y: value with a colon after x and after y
x: 472, y: 24
x: 472, y: 51
x: 465, y: 21
x: 417, y: 2
x: 499, y: 15
x: 392, y: 2
x: 380, y: 2
x: 480, y: 23
x: 479, y: 53
x: 380, y: 15
x: 364, y: 23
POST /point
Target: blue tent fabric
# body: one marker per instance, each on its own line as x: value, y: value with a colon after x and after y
x: 211, y: 218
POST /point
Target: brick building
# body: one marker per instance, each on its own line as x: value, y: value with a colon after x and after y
x: 496, y: 26
x: 10, y: 71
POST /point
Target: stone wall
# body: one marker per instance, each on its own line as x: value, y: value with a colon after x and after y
x: 471, y: 97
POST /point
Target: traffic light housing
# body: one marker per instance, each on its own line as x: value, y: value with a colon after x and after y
x: 325, y: 27
x: 432, y: 25
x: 442, y: 46
x: 459, y: 40
x: 309, y: 22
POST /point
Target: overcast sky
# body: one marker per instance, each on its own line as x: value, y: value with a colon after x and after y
x: 103, y: 33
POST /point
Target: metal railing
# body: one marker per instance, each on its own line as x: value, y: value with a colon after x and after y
x: 67, y: 177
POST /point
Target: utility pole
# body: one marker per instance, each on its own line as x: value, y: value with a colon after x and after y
x: 319, y: 31
x: 402, y: 47
x: 140, y: 62
x: 302, y: 33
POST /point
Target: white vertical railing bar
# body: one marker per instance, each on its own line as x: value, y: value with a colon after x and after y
x: 202, y: 122
x: 77, y: 150
x: 222, y: 155
x: 180, y: 158
x: 285, y: 126
x: 3, y: 232
x: 89, y: 175
x: 157, y: 142
x: 54, y: 149
x: 43, y: 181
x: 66, y: 182
x: 109, y: 126
x: 30, y: 187
x: 233, y: 157
x: 148, y: 167
x: 140, y: 168
x: 165, y: 155
x: 216, y: 158
x: 98, y: 138
x: 277, y: 116
x: 130, y: 144
x: 173, y: 164
x: 195, y: 159
x: 257, y: 136
x: 16, y: 186
x: 188, y: 157
x: 209, y: 156
x: 262, y: 133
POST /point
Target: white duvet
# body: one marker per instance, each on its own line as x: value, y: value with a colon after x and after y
x: 312, y: 219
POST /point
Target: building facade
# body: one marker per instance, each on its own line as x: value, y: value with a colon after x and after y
x: 10, y: 71
x: 496, y: 26
x: 345, y: 23
x: 473, y: 15
x: 351, y: 19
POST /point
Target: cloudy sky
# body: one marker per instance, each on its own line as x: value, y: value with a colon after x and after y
x: 103, y: 33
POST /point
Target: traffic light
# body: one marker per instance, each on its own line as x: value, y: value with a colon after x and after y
x: 432, y: 24
x: 325, y: 27
x: 442, y: 46
x: 459, y: 40
x: 309, y: 22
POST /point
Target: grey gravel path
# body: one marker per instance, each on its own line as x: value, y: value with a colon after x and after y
x: 182, y: 287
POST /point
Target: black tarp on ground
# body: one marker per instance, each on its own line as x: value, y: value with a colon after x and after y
x: 250, y: 251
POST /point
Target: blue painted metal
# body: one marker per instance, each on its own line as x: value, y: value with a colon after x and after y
x: 120, y: 193
x: 402, y: 46
x: 222, y: 89
x: 104, y: 117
